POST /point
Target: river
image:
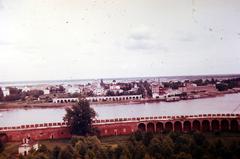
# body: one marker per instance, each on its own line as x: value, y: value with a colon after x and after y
x: 224, y: 104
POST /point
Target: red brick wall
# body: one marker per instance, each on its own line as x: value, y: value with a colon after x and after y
x: 117, y: 129
x: 63, y: 132
x: 39, y: 134
x: 108, y: 128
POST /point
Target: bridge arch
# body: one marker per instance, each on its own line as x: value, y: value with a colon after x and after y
x: 234, y: 125
x: 205, y: 125
x: 215, y: 125
x: 159, y: 127
x: 178, y: 126
x: 196, y: 125
x: 142, y: 127
x: 168, y: 126
x: 187, y: 126
x: 150, y: 127
x: 224, y: 125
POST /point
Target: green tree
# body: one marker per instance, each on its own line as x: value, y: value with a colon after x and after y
x: 199, y: 138
x: 79, y: 118
x: 167, y: 147
x: 154, y: 148
x: 183, y: 155
x: 1, y: 146
x: 86, y: 145
x: 43, y: 149
x: 147, y: 138
x: 55, y: 154
x: 1, y: 94
x: 67, y: 153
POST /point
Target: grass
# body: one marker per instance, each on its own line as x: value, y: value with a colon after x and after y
x: 62, y: 143
x: 11, y: 149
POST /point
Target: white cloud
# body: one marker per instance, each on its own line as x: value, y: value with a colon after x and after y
x: 143, y: 39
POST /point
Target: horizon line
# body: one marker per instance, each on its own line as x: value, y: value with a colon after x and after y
x: 109, y: 78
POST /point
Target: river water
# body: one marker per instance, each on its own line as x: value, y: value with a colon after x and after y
x: 224, y: 104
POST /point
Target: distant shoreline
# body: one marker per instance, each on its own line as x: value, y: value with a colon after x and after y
x: 178, y: 77
x: 18, y: 105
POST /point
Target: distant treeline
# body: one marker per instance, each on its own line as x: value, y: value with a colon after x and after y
x: 228, y: 84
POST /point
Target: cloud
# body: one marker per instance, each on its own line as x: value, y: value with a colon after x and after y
x: 5, y: 43
x: 1, y: 5
x: 185, y: 36
x: 143, y: 40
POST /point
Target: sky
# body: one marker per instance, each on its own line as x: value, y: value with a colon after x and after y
x: 83, y: 39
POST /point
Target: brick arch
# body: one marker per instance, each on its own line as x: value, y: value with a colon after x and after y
x: 3, y: 137
x: 142, y: 127
x: 196, y: 125
x: 205, y: 125
x: 187, y: 126
x: 150, y: 127
x: 178, y: 126
x: 168, y: 126
x: 224, y: 125
x: 159, y: 127
x: 234, y: 125
x: 215, y: 125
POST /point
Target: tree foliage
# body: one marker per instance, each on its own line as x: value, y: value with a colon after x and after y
x: 168, y: 146
x: 79, y: 118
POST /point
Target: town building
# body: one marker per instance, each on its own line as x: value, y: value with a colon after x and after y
x: 25, y: 89
x: 172, y: 95
x: 158, y: 91
x: 194, y: 91
x: 73, y: 89
x: 65, y: 100
x: 26, y: 146
x: 6, y: 91
x: 134, y: 89
x: 114, y: 98
x: 99, y: 90
x: 46, y: 91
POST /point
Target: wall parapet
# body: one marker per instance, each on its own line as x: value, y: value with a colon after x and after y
x: 34, y: 126
x: 137, y: 119
x: 124, y: 120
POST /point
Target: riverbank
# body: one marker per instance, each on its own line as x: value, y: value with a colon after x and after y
x: 25, y: 105
x: 16, y: 105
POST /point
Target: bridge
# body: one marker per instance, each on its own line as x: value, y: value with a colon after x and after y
x: 124, y: 126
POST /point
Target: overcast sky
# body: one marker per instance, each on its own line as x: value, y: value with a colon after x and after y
x: 77, y: 39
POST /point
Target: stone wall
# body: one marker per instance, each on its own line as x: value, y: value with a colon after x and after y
x: 123, y: 126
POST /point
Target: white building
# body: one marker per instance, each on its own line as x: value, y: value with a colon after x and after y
x: 25, y: 89
x: 172, y: 95
x: 26, y: 146
x: 73, y: 90
x: 46, y: 91
x: 99, y: 90
x: 134, y: 89
x: 6, y: 91
x: 115, y: 88
x: 114, y: 98
x: 158, y: 91
x: 65, y: 100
